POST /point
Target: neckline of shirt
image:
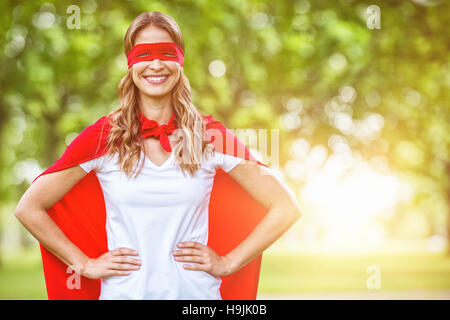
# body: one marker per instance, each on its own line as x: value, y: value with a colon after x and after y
x: 154, y: 165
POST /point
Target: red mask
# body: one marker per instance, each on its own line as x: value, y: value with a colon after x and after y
x: 157, y: 50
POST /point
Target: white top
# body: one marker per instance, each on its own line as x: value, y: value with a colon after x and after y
x: 151, y: 214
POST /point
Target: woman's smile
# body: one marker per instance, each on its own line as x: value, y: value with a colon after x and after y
x: 155, y: 80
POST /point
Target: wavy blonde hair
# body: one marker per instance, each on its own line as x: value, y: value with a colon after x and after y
x: 124, y: 136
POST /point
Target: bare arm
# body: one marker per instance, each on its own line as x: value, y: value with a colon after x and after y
x: 284, y: 211
x: 31, y: 211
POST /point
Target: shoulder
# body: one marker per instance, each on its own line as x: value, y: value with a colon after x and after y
x: 212, y: 123
x: 217, y: 134
x: 225, y: 141
x: 92, y: 140
x: 103, y: 124
x: 90, y: 143
x: 207, y: 118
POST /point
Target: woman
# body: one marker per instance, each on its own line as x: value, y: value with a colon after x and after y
x: 155, y: 186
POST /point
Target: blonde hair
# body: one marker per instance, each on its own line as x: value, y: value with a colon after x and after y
x: 124, y: 136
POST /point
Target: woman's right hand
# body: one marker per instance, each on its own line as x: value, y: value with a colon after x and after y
x: 112, y: 263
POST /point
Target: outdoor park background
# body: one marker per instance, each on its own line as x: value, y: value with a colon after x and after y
x: 362, y: 113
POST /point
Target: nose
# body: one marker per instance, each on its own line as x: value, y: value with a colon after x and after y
x: 155, y: 64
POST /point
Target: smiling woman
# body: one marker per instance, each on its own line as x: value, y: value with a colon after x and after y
x: 119, y: 208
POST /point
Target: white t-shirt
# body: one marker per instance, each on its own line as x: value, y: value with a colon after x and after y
x: 151, y: 214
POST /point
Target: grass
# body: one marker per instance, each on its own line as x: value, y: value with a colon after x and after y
x: 306, y: 273
x: 21, y: 275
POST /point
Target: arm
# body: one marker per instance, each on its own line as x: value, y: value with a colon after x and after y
x: 31, y: 211
x: 284, y: 211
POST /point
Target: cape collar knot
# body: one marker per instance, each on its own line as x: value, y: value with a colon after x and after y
x: 151, y: 128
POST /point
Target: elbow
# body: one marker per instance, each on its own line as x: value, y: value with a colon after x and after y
x: 296, y: 214
x: 23, y: 209
x: 24, y: 217
x: 294, y: 211
x: 18, y: 214
x: 29, y: 215
x: 291, y: 212
x: 21, y: 212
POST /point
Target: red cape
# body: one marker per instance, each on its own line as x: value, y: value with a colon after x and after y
x: 81, y: 215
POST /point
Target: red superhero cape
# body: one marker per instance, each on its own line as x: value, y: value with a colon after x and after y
x: 81, y: 215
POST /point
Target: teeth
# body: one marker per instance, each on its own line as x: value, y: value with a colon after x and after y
x: 156, y: 78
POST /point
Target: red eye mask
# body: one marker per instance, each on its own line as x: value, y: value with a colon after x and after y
x: 158, y: 50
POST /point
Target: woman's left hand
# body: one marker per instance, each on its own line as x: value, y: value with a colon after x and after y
x: 205, y: 259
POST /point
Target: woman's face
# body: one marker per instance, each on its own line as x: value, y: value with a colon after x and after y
x: 166, y: 72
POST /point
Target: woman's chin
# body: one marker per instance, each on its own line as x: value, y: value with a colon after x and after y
x: 155, y: 92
